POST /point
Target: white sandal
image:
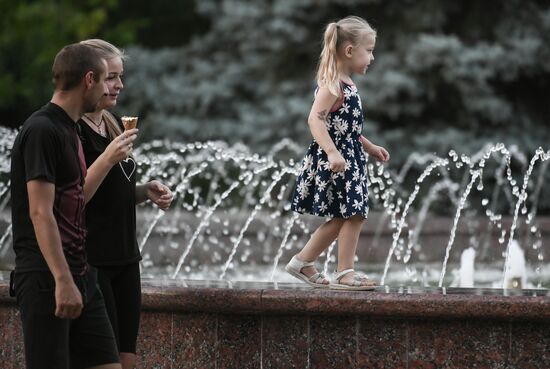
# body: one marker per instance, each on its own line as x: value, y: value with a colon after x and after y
x: 356, y: 283
x: 294, y: 268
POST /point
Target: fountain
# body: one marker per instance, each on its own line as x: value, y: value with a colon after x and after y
x: 215, y: 259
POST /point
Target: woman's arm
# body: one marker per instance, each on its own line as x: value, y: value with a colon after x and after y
x: 120, y: 148
x: 156, y: 192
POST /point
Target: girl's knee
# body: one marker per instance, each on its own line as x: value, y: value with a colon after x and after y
x: 356, y: 219
x: 337, y: 221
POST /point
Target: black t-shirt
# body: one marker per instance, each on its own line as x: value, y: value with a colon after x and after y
x: 47, y: 148
x: 111, y: 213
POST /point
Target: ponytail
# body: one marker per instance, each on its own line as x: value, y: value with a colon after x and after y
x: 327, y: 74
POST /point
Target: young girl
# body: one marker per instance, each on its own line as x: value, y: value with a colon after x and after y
x: 111, y: 214
x: 333, y: 179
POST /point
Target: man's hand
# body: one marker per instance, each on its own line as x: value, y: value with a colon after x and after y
x: 68, y: 299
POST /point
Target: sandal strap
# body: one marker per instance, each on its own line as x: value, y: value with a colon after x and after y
x: 339, y: 275
x: 317, y: 278
x: 360, y: 276
x: 298, y: 264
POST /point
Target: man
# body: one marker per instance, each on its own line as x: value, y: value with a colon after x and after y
x: 65, y: 324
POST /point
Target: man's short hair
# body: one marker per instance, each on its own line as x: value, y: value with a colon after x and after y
x: 72, y: 63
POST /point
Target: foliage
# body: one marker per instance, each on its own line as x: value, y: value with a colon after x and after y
x: 32, y: 32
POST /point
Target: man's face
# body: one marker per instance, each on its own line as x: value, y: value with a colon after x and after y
x: 96, y: 91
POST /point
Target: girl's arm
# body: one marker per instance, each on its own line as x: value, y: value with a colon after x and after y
x: 376, y: 151
x: 320, y: 110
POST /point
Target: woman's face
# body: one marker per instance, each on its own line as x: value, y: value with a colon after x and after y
x: 115, y: 71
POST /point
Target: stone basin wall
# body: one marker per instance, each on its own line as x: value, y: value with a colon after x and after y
x: 216, y: 325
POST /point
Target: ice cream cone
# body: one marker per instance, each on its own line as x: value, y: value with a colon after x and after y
x: 129, y: 122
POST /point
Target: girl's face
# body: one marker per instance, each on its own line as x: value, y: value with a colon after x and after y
x: 358, y: 57
x: 113, y: 81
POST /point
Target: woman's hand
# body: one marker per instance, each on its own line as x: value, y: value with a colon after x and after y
x: 336, y: 161
x: 121, y: 147
x: 159, y: 194
x: 379, y: 153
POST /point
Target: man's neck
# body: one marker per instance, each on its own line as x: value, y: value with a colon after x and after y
x: 69, y: 102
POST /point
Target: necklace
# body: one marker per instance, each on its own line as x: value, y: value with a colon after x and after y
x: 100, y: 128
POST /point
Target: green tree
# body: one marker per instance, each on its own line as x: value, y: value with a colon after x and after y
x: 31, y: 33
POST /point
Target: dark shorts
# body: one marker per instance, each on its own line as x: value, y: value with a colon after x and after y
x: 51, y: 342
x: 121, y: 288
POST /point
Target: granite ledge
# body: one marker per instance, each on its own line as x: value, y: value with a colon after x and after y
x: 274, y: 299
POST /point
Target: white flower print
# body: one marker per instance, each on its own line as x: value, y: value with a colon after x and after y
x: 321, y: 185
x: 343, y: 209
x: 316, y: 197
x: 355, y: 175
x: 336, y: 120
x: 303, y: 189
x: 348, y: 186
x: 311, y: 173
x: 323, y: 207
x: 333, y: 177
x: 348, y: 165
x: 330, y: 196
x: 357, y: 204
x: 359, y: 189
x: 347, y: 93
x: 356, y: 126
x: 341, y: 127
x: 356, y: 112
x: 308, y: 162
x: 344, y: 108
x: 351, y: 153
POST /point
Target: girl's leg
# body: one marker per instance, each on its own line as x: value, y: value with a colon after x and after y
x: 320, y: 240
x: 347, y: 245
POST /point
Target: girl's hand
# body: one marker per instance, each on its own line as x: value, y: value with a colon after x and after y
x: 379, y: 153
x: 121, y: 147
x: 159, y: 194
x: 336, y: 161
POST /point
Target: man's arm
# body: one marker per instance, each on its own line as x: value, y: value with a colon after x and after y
x: 68, y: 299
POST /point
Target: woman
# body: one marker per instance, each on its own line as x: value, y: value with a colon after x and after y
x: 111, y: 216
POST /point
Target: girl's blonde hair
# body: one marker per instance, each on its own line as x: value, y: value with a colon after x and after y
x: 350, y: 29
x: 107, y: 51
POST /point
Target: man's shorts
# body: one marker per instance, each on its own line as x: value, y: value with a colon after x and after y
x: 51, y: 342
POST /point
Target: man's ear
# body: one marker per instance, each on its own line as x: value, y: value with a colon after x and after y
x: 89, y: 79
